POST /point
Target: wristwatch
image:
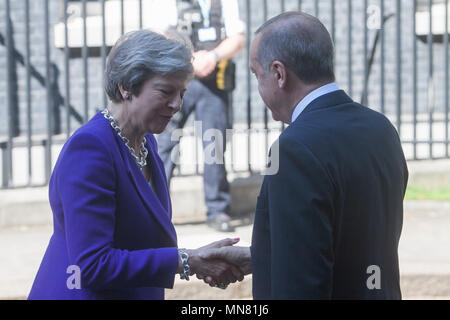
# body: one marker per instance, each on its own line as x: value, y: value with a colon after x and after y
x: 216, y: 55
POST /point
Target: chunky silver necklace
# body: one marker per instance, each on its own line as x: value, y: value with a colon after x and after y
x: 143, y: 152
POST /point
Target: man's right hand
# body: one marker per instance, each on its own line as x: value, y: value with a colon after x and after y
x: 217, y: 271
x: 238, y: 256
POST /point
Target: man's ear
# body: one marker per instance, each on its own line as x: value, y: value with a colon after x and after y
x: 279, y: 72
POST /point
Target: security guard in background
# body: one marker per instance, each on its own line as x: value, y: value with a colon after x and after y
x: 217, y: 35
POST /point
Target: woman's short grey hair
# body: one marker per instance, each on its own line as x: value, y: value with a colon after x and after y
x: 301, y: 42
x: 139, y: 55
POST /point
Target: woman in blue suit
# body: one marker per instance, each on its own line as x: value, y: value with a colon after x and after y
x: 113, y: 237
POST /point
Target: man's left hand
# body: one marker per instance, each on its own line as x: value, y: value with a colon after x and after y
x: 204, y: 63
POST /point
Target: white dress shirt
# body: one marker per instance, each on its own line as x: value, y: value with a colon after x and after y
x: 328, y: 88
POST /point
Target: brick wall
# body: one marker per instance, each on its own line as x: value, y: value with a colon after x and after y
x: 240, y: 95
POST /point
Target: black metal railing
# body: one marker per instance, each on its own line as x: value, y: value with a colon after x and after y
x: 391, y: 55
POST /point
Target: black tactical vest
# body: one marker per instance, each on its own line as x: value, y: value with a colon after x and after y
x: 190, y: 19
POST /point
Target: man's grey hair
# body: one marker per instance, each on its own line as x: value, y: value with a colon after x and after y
x: 139, y: 55
x: 301, y: 42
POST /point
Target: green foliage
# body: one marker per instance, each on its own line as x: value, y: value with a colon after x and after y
x: 421, y: 193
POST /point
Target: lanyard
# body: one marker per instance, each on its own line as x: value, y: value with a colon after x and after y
x: 205, y: 6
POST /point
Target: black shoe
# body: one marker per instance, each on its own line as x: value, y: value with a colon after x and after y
x: 221, y: 222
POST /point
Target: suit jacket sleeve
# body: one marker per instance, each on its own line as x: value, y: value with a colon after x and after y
x: 86, y: 182
x: 300, y: 204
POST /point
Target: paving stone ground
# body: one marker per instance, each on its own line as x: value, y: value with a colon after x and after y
x: 423, y: 252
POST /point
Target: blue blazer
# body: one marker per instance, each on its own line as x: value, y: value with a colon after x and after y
x: 108, y: 222
x: 334, y: 209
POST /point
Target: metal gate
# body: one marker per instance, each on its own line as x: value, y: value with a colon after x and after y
x: 391, y: 55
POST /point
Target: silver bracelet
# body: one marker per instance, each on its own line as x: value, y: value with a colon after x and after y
x: 184, y: 275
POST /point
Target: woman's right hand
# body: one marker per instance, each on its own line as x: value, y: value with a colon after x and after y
x: 220, y: 272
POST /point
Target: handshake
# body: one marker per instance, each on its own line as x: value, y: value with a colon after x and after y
x: 219, y: 263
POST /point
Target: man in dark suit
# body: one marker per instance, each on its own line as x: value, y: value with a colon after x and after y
x: 328, y: 223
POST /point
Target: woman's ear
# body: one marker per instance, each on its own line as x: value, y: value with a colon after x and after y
x: 124, y: 93
x: 279, y: 72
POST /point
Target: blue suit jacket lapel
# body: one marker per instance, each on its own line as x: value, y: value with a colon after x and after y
x: 160, y: 210
x: 161, y: 186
